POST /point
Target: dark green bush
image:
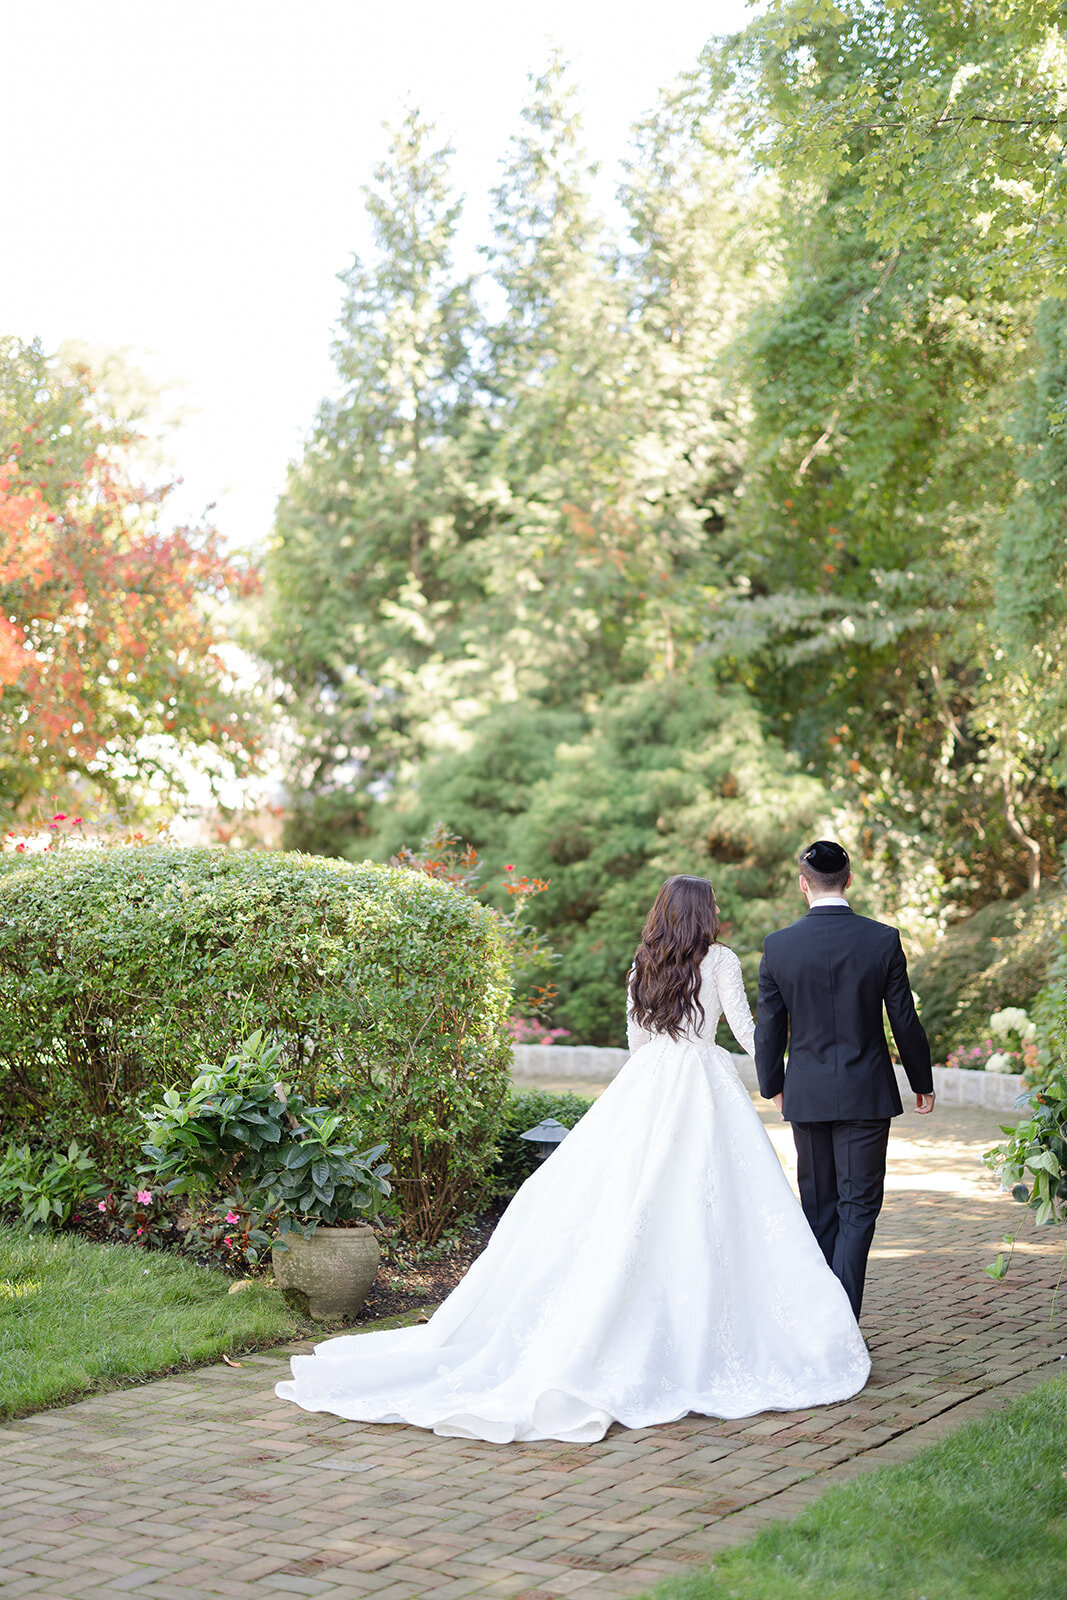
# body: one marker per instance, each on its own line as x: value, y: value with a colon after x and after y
x: 1000, y: 956
x: 238, y: 1132
x: 671, y: 775
x: 524, y: 1109
x: 121, y: 970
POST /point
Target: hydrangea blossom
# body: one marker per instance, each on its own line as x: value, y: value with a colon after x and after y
x: 1012, y: 1019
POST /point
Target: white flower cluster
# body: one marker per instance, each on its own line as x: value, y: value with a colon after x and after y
x: 1012, y: 1019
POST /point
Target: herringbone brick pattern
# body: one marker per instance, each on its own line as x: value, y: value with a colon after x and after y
x: 206, y: 1485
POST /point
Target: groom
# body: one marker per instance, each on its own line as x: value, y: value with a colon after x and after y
x: 822, y: 985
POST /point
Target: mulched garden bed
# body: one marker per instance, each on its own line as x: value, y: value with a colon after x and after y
x: 409, y: 1278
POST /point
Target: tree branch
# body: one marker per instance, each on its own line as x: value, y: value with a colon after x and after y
x: 1032, y: 846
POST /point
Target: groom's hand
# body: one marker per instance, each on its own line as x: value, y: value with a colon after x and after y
x: 778, y: 1102
x: 924, y: 1104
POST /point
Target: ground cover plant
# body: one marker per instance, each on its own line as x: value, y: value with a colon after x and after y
x: 78, y: 1317
x: 981, y: 1516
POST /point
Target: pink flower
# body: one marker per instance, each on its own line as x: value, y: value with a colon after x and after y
x: 231, y: 1216
x: 140, y: 1230
x: 60, y: 816
x: 144, y: 1197
x: 102, y: 1206
x: 510, y: 868
x: 227, y: 1241
x: 20, y: 848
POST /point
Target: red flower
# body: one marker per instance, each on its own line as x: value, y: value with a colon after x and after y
x: 510, y: 868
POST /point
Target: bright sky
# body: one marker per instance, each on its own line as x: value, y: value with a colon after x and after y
x: 185, y: 179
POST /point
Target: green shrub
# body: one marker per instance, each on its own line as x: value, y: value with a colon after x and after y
x: 517, y: 1158
x: 1034, y: 1156
x: 240, y: 1133
x: 1000, y: 956
x: 42, y: 1188
x: 668, y: 775
x: 121, y: 970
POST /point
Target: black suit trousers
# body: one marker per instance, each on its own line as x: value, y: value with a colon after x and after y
x: 841, y: 1173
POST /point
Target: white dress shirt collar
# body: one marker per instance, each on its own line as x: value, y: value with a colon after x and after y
x: 829, y: 900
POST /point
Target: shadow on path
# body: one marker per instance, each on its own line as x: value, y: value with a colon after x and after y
x: 206, y: 1485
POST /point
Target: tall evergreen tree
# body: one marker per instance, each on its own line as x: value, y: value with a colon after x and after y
x: 367, y: 573
x: 560, y: 544
x: 698, y: 264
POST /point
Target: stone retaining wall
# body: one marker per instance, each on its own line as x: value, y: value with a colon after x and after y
x: 548, y: 1062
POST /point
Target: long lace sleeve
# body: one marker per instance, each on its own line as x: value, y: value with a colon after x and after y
x: 727, y: 974
x: 636, y: 1036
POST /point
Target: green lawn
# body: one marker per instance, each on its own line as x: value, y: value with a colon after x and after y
x: 77, y: 1317
x: 982, y: 1516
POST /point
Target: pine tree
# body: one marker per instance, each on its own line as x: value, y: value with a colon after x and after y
x: 367, y: 573
x: 565, y: 545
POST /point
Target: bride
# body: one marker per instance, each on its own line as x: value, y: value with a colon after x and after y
x: 656, y: 1264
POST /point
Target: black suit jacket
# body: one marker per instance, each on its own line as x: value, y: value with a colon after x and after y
x: 822, y: 984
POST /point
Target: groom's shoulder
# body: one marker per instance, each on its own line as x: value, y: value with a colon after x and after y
x: 877, y: 930
x: 783, y: 936
x: 856, y: 927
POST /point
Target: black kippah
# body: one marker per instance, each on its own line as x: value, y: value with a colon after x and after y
x: 826, y: 856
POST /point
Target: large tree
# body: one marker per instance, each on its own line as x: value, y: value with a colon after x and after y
x: 885, y: 459
x: 675, y: 774
x: 949, y: 116
x: 565, y: 547
x: 368, y: 573
x: 110, y: 675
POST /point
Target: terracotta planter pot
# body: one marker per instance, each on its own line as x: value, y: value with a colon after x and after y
x: 329, y: 1274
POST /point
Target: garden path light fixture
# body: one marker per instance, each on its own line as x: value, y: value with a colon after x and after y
x: 546, y: 1136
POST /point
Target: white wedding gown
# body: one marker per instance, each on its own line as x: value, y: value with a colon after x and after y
x: 656, y: 1264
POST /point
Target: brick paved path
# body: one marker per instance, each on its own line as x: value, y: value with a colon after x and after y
x: 205, y: 1485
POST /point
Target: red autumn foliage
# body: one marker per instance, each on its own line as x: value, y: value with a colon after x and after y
x: 106, y: 632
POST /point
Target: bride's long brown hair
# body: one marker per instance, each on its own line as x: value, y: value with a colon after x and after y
x: 682, y: 926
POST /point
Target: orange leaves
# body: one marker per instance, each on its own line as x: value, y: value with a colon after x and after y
x: 609, y: 538
x: 12, y: 655
x: 104, y: 633
x: 527, y: 886
x: 87, y: 581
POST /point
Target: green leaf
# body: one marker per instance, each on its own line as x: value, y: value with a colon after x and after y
x: 1044, y: 1161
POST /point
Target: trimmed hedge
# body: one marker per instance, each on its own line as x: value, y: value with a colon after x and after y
x: 121, y: 970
